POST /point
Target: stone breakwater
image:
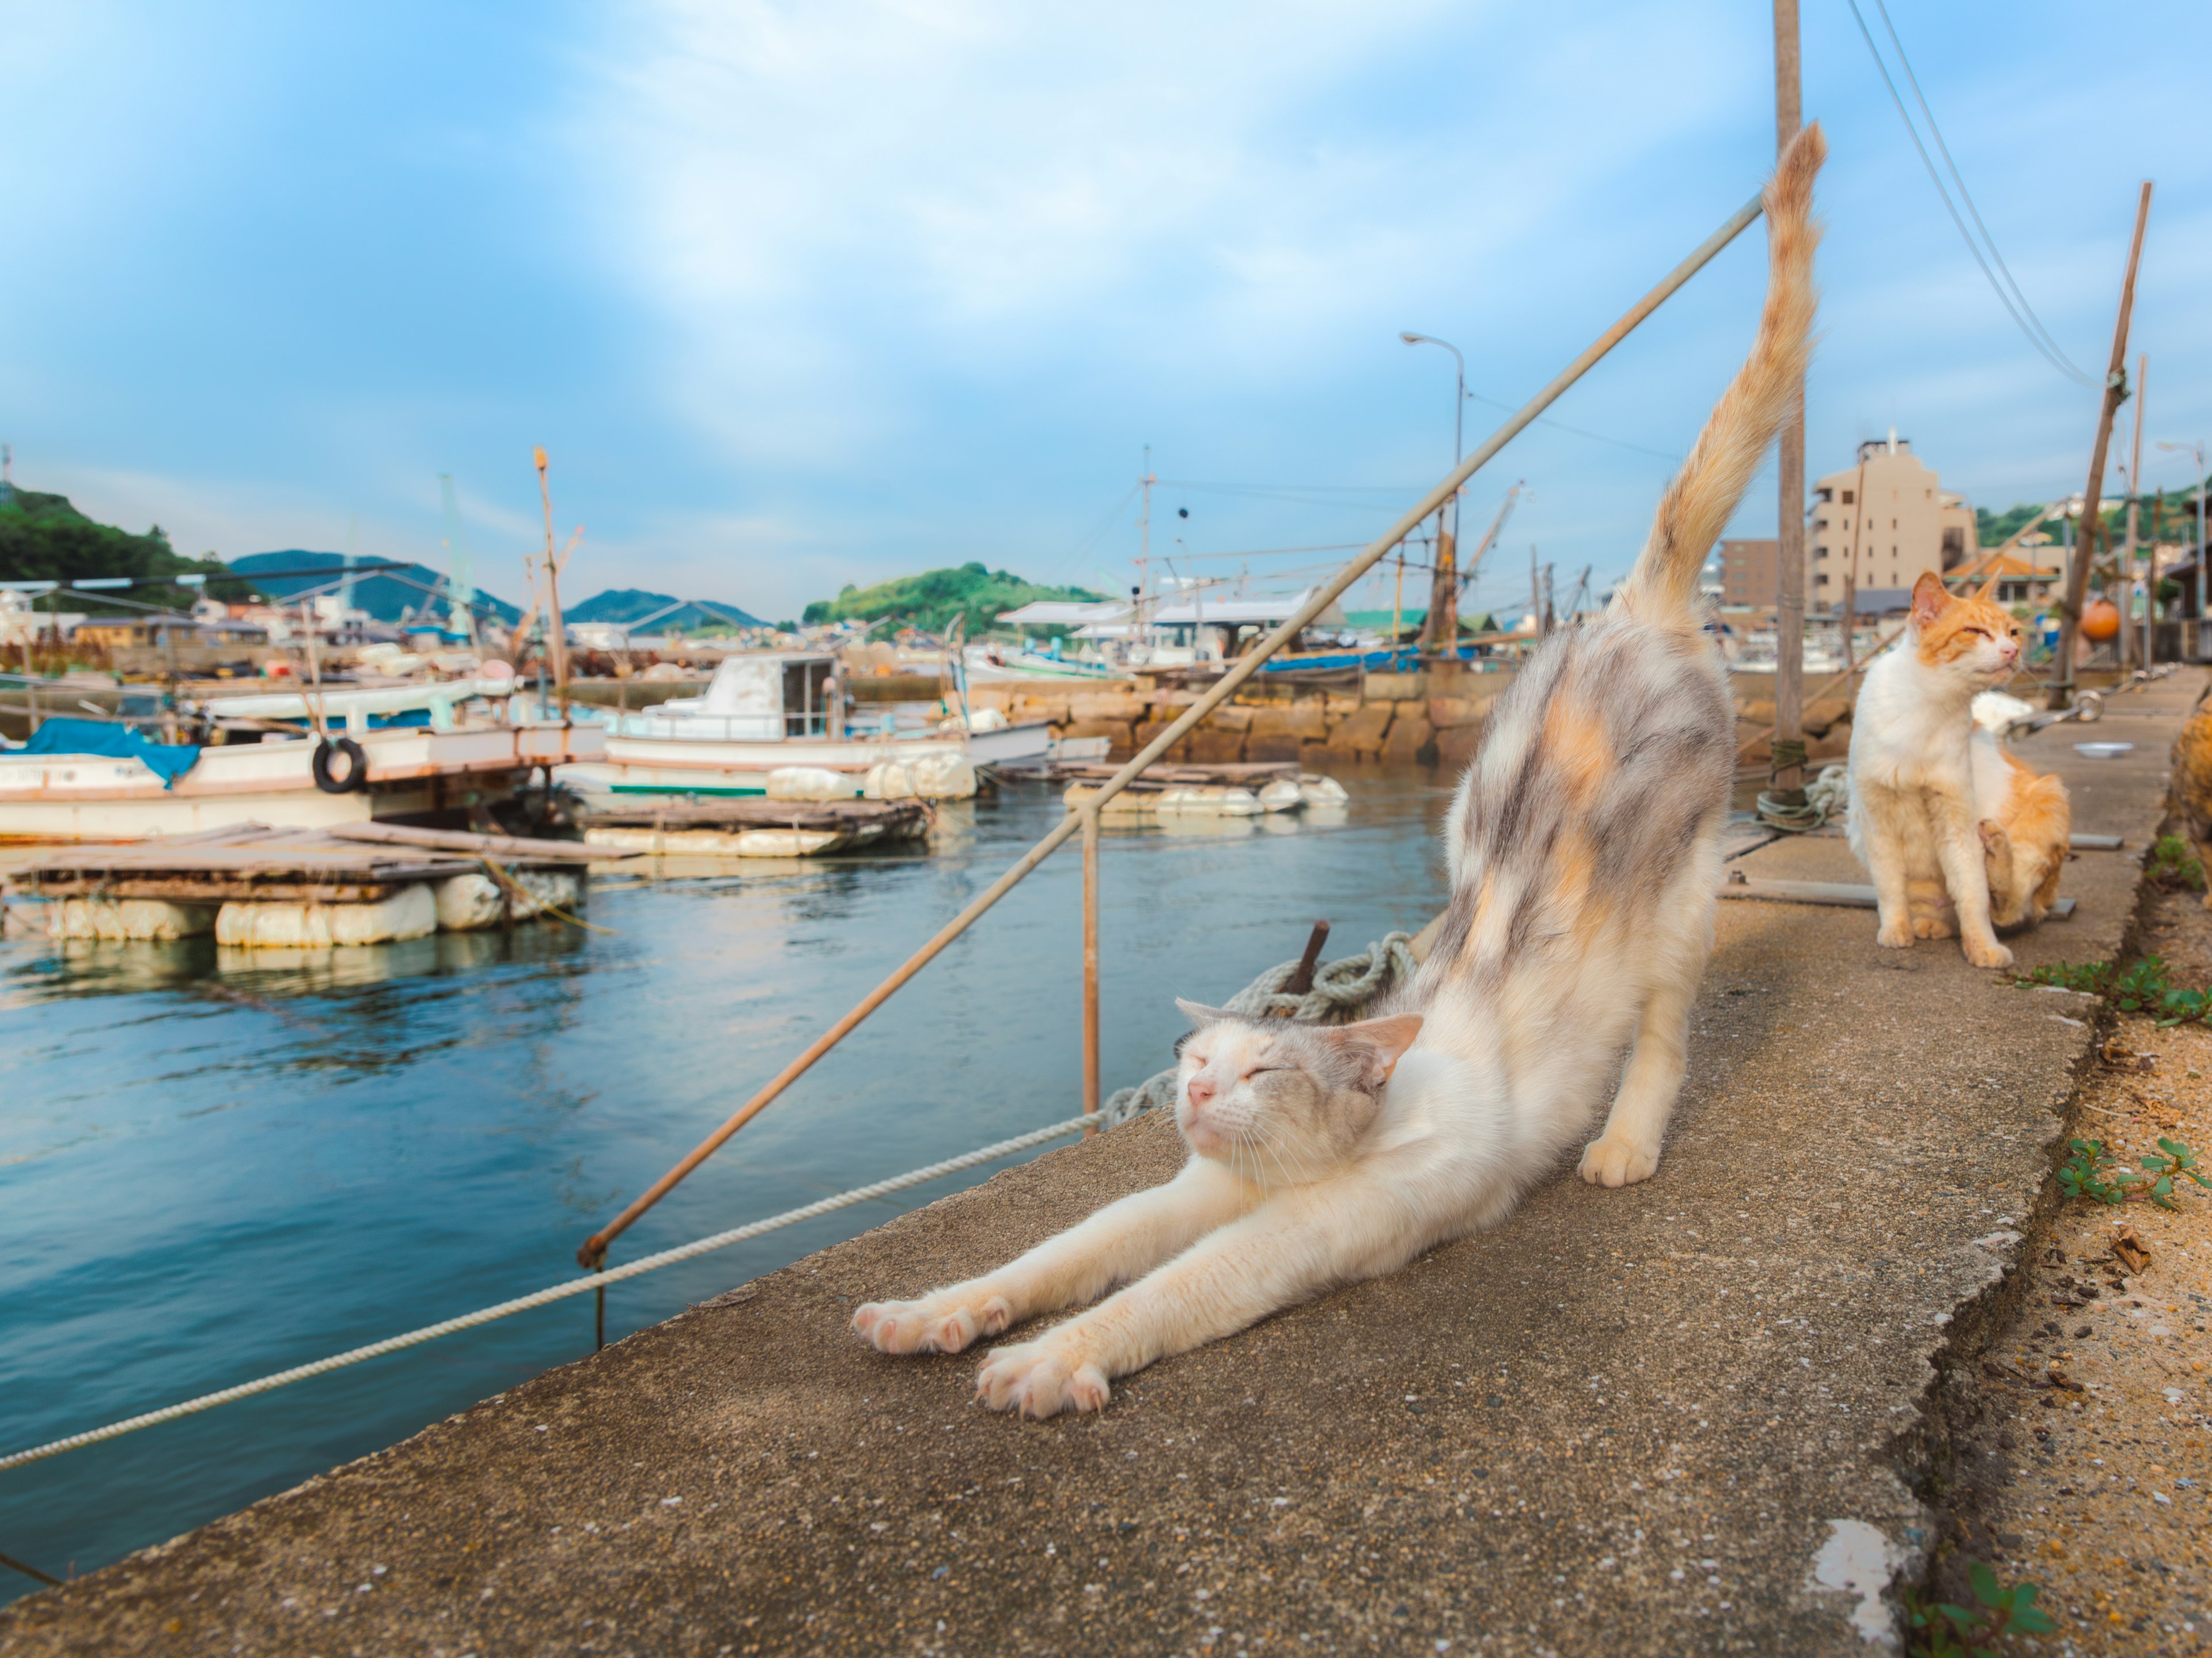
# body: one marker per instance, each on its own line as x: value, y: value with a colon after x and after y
x: 1419, y: 719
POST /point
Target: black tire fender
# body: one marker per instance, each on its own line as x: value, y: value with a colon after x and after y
x: 355, y: 777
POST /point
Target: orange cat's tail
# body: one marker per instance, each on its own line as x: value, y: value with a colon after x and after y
x: 1698, y: 503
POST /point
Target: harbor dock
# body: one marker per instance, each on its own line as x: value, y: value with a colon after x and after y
x: 1713, y: 1411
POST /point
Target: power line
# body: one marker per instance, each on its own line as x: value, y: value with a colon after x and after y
x: 1595, y: 437
x: 1913, y: 81
x: 2051, y: 354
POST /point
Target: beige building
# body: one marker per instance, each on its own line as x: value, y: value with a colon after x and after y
x: 1883, y: 523
x: 1748, y: 574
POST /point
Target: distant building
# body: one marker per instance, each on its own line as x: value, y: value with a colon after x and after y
x: 1749, y: 573
x: 1883, y: 523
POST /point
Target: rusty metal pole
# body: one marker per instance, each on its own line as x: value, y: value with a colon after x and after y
x: 595, y: 1247
x: 1091, y: 966
x: 1787, y: 768
x: 2116, y: 383
x: 556, y: 632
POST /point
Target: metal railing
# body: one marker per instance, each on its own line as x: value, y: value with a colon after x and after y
x: 591, y: 1253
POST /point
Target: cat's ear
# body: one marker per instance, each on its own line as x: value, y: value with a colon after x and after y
x: 1929, y: 600
x: 1990, y: 587
x: 1198, y: 1014
x: 1378, y: 1044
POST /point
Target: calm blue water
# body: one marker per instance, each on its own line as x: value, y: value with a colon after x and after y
x: 211, y: 1170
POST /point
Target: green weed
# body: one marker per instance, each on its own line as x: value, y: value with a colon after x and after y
x: 2171, y: 866
x: 1943, y: 1630
x: 2090, y: 978
x: 2092, y: 1172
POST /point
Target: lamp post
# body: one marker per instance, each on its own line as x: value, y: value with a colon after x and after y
x: 1442, y: 623
x: 2196, y: 449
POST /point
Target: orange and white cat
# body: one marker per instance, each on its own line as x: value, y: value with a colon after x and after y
x: 2026, y: 822
x: 1585, y: 851
x: 1914, y: 822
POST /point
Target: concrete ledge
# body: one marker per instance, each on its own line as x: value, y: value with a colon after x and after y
x: 1685, y: 1417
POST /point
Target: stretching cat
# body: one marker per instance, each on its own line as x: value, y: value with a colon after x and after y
x: 1913, y: 819
x: 1584, y: 845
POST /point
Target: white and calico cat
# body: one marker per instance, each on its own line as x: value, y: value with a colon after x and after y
x: 1584, y: 845
x: 1914, y: 822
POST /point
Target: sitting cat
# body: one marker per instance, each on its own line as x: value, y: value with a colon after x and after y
x: 2191, y: 797
x: 1584, y: 851
x: 2026, y: 823
x: 1913, y: 817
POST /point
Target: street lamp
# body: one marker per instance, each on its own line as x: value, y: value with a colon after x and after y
x: 1446, y: 593
x: 2198, y: 450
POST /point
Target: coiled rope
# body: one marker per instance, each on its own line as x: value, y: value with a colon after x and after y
x: 556, y: 1292
x: 1823, y: 797
x: 1341, y: 989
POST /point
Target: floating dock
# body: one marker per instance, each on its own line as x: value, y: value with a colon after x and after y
x: 1238, y: 789
x: 259, y: 887
x: 749, y: 827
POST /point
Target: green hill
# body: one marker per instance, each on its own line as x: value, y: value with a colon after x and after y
x: 930, y: 601
x: 44, y: 538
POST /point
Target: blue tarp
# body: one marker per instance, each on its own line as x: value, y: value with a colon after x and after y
x: 64, y: 736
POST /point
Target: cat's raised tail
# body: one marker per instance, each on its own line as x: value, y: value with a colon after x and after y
x: 1697, y: 505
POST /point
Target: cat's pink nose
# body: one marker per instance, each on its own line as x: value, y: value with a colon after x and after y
x: 1200, y: 1089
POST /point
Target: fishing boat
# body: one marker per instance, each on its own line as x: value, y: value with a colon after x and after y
x: 395, y: 753
x: 769, y: 711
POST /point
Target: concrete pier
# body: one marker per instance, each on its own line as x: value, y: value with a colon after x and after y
x: 1694, y: 1415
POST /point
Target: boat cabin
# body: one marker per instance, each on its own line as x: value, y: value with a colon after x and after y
x: 765, y: 697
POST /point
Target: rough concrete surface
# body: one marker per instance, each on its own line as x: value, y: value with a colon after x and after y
x: 2083, y: 1457
x: 1687, y: 1416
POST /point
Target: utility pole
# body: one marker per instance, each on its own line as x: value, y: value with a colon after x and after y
x: 2116, y: 388
x: 1441, y: 626
x: 1535, y: 594
x: 2134, y: 500
x: 1551, y: 612
x: 1145, y: 552
x: 557, y: 634
x: 1787, y: 765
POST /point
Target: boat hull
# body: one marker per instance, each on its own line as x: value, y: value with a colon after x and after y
x: 411, y: 771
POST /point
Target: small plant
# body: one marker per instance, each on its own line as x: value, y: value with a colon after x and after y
x: 2141, y: 987
x: 2090, y: 978
x: 2171, y: 867
x: 1943, y: 1630
x: 2092, y: 1172
x: 2184, y: 1007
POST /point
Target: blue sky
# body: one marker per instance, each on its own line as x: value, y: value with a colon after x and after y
x: 804, y: 295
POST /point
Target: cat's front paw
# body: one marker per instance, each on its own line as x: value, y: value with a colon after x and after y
x: 946, y: 1322
x: 1895, y: 935
x: 1615, y: 1160
x: 1039, y: 1379
x: 1990, y: 953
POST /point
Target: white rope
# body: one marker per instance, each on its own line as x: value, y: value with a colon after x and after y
x: 556, y: 1292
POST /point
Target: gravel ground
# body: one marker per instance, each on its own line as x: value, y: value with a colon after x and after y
x: 2094, y: 1475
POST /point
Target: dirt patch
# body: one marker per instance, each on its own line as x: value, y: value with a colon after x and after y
x: 2088, y: 1467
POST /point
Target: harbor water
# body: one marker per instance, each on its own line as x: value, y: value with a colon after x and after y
x: 214, y: 1169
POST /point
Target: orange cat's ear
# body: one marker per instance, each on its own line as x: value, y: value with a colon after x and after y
x: 1990, y: 587
x: 1929, y: 600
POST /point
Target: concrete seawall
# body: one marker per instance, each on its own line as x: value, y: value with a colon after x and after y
x: 1694, y: 1415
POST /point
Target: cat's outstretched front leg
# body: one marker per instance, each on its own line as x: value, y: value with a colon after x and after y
x: 1122, y: 1241
x: 1299, y: 1242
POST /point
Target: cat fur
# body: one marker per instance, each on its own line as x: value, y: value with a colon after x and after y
x: 1584, y: 846
x: 1914, y: 822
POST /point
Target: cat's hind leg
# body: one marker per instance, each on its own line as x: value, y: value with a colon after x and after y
x: 1125, y: 1240
x: 1628, y: 1150
x: 1934, y: 915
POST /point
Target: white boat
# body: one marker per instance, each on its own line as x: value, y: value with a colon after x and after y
x: 407, y: 771
x: 765, y: 712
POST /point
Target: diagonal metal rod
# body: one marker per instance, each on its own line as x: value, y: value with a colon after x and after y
x: 594, y: 1249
